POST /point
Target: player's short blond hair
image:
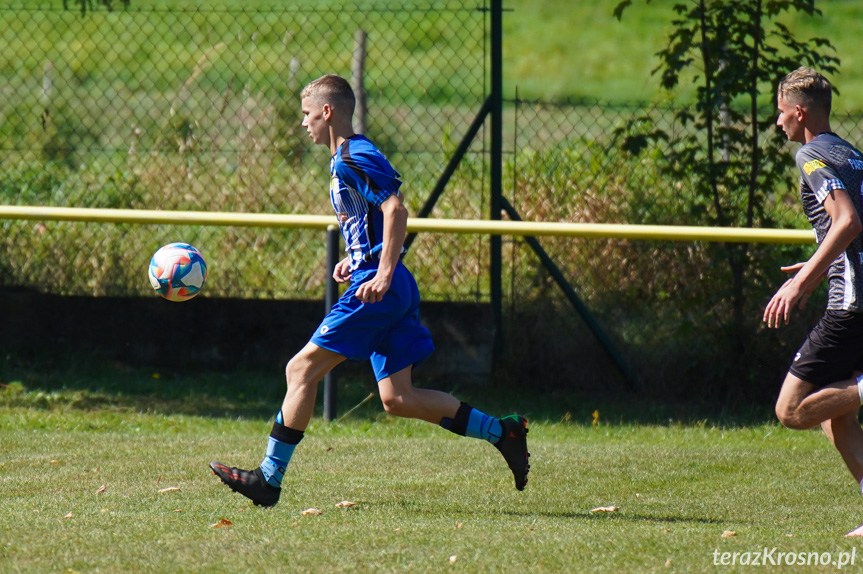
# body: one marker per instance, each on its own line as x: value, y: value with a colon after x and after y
x: 333, y: 90
x: 806, y: 87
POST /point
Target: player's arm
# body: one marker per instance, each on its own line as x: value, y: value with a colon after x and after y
x: 845, y: 225
x: 395, y: 231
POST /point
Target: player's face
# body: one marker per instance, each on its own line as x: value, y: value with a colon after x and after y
x: 789, y: 120
x: 315, y: 121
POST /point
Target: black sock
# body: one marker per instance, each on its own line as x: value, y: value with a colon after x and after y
x: 458, y: 424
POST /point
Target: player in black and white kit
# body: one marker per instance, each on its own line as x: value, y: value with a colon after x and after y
x: 824, y: 384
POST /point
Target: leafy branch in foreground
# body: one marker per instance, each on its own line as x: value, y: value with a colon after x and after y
x: 734, y: 52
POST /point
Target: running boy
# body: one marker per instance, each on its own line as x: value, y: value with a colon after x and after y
x: 824, y: 383
x: 377, y: 318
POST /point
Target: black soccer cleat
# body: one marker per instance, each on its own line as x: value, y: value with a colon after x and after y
x: 249, y: 483
x: 513, y: 447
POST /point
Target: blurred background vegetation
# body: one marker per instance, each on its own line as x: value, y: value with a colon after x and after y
x: 555, y: 49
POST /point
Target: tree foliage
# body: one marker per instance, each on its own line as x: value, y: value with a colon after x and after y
x: 734, y: 52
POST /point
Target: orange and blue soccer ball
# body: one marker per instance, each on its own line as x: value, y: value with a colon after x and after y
x: 177, y: 271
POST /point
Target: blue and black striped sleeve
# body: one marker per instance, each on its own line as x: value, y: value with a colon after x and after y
x: 365, y: 169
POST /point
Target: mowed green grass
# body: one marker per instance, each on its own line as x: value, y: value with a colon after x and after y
x: 559, y: 48
x: 552, y: 49
x: 83, y: 469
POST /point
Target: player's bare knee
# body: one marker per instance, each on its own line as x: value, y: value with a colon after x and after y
x: 288, y: 369
x: 795, y: 420
x: 294, y: 373
x: 397, y: 405
x: 789, y: 418
x: 795, y: 423
x: 392, y: 405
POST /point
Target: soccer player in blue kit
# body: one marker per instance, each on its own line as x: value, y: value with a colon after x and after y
x: 376, y: 318
x: 824, y: 384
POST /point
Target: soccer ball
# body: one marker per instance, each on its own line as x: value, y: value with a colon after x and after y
x: 177, y: 271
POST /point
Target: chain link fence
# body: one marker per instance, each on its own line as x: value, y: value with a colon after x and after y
x: 666, y: 306
x: 181, y: 107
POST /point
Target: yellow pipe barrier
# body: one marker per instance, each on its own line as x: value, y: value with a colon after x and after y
x: 460, y: 226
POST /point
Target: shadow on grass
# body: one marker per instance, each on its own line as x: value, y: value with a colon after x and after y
x: 93, y: 383
x: 618, y: 516
x: 584, y: 515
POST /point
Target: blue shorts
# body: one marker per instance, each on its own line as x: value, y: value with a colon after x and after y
x: 388, y: 332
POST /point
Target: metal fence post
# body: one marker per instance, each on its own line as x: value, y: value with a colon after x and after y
x: 332, y: 295
x: 496, y: 172
x: 358, y: 79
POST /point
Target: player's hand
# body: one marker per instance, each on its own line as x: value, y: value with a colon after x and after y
x: 790, y: 294
x: 780, y: 305
x: 374, y: 289
x: 806, y: 291
x: 342, y: 271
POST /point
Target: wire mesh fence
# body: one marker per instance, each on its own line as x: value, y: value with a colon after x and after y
x: 668, y: 308
x: 192, y: 108
x: 185, y: 107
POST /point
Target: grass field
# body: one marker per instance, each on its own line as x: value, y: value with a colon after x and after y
x: 86, y: 455
x: 559, y: 49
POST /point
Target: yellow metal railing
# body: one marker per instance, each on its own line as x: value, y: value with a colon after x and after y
x: 460, y: 226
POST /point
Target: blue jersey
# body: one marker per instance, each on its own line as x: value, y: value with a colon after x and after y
x: 361, y: 179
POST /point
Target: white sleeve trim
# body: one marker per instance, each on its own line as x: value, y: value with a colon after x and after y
x: 828, y: 186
